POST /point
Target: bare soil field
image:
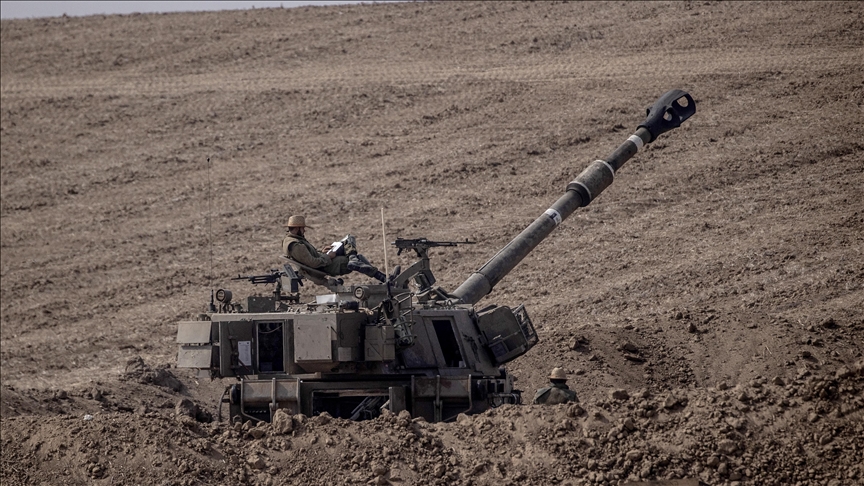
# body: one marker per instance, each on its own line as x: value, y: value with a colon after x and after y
x: 709, y: 306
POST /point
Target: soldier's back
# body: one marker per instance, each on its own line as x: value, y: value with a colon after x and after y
x: 560, y: 395
x: 554, y: 395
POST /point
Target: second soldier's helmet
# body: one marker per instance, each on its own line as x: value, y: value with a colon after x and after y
x: 558, y: 374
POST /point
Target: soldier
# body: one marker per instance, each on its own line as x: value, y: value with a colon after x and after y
x: 340, y: 261
x: 557, y: 391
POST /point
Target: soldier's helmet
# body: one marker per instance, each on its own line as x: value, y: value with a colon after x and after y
x: 558, y: 374
x: 297, y: 221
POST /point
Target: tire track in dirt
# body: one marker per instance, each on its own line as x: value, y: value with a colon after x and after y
x: 353, y: 75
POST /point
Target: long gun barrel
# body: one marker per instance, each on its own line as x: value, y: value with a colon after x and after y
x: 668, y: 112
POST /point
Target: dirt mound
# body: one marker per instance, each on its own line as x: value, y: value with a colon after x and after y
x: 138, y: 370
x: 709, y: 306
x: 763, y: 432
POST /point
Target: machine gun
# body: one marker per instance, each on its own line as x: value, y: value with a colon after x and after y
x: 422, y: 245
x: 420, y: 272
x: 275, y: 276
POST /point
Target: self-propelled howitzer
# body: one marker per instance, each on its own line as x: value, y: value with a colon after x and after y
x: 406, y: 344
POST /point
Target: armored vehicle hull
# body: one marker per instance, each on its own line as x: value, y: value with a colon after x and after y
x: 341, y: 360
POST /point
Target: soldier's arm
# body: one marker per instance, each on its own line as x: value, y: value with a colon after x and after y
x: 301, y: 254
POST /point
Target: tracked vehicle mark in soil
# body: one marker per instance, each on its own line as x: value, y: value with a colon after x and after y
x: 348, y: 77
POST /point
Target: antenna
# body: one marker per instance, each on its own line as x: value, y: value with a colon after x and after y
x: 209, y: 222
x: 210, y: 235
x: 384, y: 242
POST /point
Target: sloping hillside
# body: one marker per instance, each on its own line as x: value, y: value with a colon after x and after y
x: 728, y: 253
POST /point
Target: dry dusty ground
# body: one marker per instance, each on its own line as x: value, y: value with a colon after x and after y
x: 727, y: 257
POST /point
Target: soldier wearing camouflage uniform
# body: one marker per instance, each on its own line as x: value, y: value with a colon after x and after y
x: 338, y: 262
x: 557, y: 391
